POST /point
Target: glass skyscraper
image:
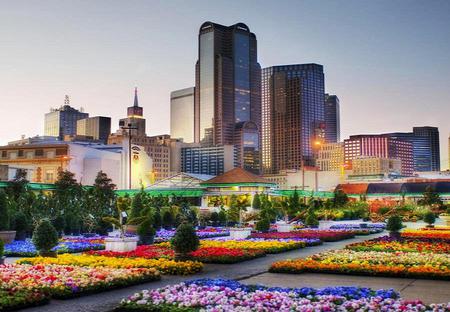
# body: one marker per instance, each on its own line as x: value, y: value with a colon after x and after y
x: 332, y: 119
x: 432, y: 133
x: 228, y: 90
x: 292, y: 115
x: 182, y: 114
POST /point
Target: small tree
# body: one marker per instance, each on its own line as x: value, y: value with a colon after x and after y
x: 45, y: 238
x: 167, y: 219
x: 394, y: 225
x: 429, y: 217
x: 256, y: 202
x: 4, y: 212
x: 146, y: 232
x: 340, y: 199
x: 263, y: 225
x: 137, y: 205
x: 311, y: 218
x: 2, y: 250
x: 184, y: 241
x: 430, y: 197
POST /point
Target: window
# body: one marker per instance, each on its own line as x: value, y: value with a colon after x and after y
x: 20, y: 153
x: 39, y: 153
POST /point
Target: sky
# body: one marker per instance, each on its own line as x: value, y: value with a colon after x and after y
x: 388, y: 61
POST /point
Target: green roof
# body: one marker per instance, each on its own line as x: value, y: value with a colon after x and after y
x: 305, y: 193
x: 165, y: 192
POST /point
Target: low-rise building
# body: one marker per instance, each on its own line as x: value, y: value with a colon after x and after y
x: 331, y: 157
x: 371, y: 166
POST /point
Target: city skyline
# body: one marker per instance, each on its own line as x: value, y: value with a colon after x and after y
x: 412, y: 91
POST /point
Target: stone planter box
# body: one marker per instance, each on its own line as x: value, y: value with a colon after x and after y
x: 325, y: 224
x: 240, y: 233
x: 446, y: 219
x: 283, y: 228
x: 121, y: 244
x: 7, y: 236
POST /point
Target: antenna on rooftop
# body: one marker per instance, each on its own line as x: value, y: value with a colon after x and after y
x: 66, y: 100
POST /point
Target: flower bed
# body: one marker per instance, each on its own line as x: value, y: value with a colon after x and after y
x: 388, y: 244
x: 165, y: 266
x: 15, y: 298
x: 204, y: 254
x: 360, y: 228
x: 268, y: 246
x: 308, y: 241
x: 401, y: 264
x: 227, y: 295
x: 163, y: 235
x: 441, y: 235
x: 63, y: 281
x: 27, y: 249
x: 324, y: 235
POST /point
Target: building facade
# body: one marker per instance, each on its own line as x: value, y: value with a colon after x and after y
x: 182, y: 114
x: 63, y: 121
x: 432, y: 133
x: 227, y: 88
x: 211, y: 160
x: 292, y: 116
x: 99, y: 128
x: 372, y: 166
x: 379, y: 146
x: 331, y: 157
x: 332, y: 119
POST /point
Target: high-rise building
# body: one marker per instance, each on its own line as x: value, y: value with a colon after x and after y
x: 375, y: 166
x: 292, y: 116
x: 211, y: 160
x: 331, y: 157
x: 135, y: 118
x: 382, y: 146
x: 421, y: 149
x: 63, y: 121
x: 182, y: 114
x: 99, y: 128
x: 228, y: 90
x: 332, y: 119
x: 432, y: 133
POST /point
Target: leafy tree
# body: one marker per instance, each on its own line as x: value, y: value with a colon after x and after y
x: 167, y: 219
x: 137, y: 205
x: 223, y: 218
x: 294, y: 203
x: 237, y: 205
x: 18, y: 185
x: 268, y: 210
x: 256, y: 202
x: 263, y: 225
x: 430, y: 197
x: 429, y: 217
x: 340, y: 199
x: 4, y: 212
x: 214, y: 218
x: 394, y: 225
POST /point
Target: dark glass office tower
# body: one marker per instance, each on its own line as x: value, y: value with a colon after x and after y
x: 228, y: 88
x: 332, y: 119
x: 432, y: 133
x: 421, y: 149
x: 293, y: 101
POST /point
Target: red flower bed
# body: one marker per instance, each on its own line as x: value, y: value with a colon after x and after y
x: 204, y: 254
x: 324, y: 235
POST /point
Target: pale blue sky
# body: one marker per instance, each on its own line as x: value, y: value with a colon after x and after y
x: 388, y: 61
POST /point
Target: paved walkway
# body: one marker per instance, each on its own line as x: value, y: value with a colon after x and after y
x: 248, y: 272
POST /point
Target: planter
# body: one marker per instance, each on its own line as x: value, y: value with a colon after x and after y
x: 325, y: 224
x: 240, y: 233
x: 446, y: 219
x: 7, y: 236
x: 121, y: 244
x: 284, y: 227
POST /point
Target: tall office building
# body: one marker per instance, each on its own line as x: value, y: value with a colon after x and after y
x: 228, y: 91
x: 211, y: 160
x: 292, y: 116
x: 63, y: 121
x: 331, y: 157
x: 182, y: 114
x: 332, y: 119
x: 135, y: 118
x: 99, y: 128
x: 379, y: 145
x: 432, y: 133
x: 421, y: 149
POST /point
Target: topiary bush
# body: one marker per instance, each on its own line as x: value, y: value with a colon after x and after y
x: 394, y: 225
x: 263, y: 225
x: 184, y: 241
x: 4, y: 212
x: 146, y: 232
x: 45, y: 238
x: 429, y: 218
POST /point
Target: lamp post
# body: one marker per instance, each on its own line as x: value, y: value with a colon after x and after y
x: 129, y: 128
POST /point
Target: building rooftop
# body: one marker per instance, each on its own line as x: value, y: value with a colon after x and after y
x: 236, y: 176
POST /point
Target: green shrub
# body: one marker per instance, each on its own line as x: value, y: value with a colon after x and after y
x: 4, y: 212
x: 146, y: 232
x: 311, y: 219
x: 429, y: 217
x: 263, y: 225
x: 394, y: 224
x: 167, y: 219
x: 45, y: 236
x: 2, y: 248
x: 185, y: 240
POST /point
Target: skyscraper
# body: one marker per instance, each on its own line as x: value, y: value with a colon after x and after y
x: 332, y: 119
x: 292, y: 115
x: 99, y: 128
x: 182, y: 114
x: 63, y: 121
x: 228, y: 90
x: 432, y: 133
x: 135, y: 117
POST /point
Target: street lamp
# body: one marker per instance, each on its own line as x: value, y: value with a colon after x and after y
x: 129, y: 127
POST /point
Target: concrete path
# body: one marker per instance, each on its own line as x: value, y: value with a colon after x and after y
x: 248, y: 271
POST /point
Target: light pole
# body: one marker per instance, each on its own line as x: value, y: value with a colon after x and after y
x: 129, y: 127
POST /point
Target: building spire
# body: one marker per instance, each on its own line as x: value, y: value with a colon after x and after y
x: 136, y: 104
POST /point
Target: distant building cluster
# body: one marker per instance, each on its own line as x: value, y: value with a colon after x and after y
x: 277, y: 121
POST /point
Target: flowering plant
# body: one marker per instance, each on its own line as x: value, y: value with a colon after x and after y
x: 16, y: 298
x: 324, y: 235
x: 27, y: 248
